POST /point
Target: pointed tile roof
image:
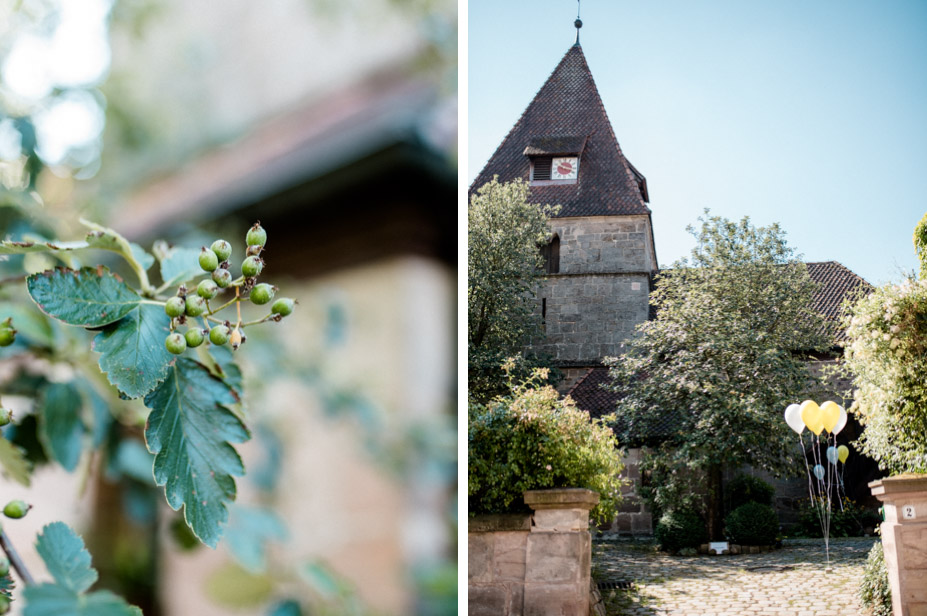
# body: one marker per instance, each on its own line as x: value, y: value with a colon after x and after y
x: 568, y: 111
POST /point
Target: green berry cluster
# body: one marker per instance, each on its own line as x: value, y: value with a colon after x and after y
x: 186, y: 306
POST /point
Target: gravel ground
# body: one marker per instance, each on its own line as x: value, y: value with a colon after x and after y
x: 787, y: 582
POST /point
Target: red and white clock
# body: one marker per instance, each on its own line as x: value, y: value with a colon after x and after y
x: 564, y: 168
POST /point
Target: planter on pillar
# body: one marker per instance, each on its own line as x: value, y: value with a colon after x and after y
x: 558, y: 558
x: 904, y: 539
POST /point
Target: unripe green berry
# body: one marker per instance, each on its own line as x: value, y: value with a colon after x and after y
x: 16, y: 509
x: 252, y: 266
x: 257, y: 236
x: 175, y: 306
x: 7, y: 333
x: 207, y: 289
x: 262, y: 293
x: 195, y: 305
x: 219, y: 334
x: 222, y: 249
x: 208, y: 260
x: 175, y: 343
x: 4, y: 605
x: 222, y: 277
x: 6, y: 416
x: 283, y: 306
x: 4, y: 566
x: 194, y: 337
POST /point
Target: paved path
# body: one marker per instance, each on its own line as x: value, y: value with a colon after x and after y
x: 786, y: 582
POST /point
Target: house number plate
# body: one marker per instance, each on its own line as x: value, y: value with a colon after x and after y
x: 907, y: 512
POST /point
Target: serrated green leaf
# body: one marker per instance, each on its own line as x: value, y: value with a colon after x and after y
x: 87, y: 297
x: 13, y: 460
x: 8, y: 247
x: 144, y: 259
x: 60, y: 428
x: 226, y: 369
x: 65, y: 557
x: 190, y: 430
x: 132, y: 350
x: 180, y: 265
x: 250, y: 530
x: 54, y: 600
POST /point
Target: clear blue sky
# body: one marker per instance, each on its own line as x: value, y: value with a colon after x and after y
x: 810, y: 113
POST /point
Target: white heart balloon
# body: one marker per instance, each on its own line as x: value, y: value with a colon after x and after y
x: 793, y: 418
x: 841, y: 423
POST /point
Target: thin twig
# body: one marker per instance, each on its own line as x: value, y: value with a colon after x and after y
x: 15, y: 560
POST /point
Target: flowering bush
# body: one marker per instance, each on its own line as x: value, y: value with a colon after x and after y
x: 531, y: 439
x: 887, y: 357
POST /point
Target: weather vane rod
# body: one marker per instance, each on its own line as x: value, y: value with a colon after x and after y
x: 578, y: 23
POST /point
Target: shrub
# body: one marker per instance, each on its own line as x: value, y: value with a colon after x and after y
x: 533, y: 439
x: 874, y: 591
x: 680, y: 529
x: 752, y: 524
x: 745, y: 489
x: 850, y: 520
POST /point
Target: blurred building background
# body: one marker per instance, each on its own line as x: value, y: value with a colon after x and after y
x: 334, y: 124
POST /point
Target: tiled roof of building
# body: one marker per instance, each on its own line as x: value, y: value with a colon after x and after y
x: 837, y: 284
x: 568, y: 106
x: 590, y: 394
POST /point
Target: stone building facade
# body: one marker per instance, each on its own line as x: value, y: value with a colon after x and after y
x: 601, y: 260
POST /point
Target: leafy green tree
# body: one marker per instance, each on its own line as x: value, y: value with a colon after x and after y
x: 505, y: 233
x: 719, y: 363
x: 532, y: 438
x: 886, y: 355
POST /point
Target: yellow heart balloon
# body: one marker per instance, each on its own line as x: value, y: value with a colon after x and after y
x: 843, y: 452
x: 811, y: 416
x: 830, y: 415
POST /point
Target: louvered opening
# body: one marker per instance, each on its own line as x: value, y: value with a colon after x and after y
x: 540, y: 168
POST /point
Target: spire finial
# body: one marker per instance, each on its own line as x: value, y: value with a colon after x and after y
x: 578, y: 23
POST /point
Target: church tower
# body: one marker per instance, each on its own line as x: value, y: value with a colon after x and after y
x: 601, y: 259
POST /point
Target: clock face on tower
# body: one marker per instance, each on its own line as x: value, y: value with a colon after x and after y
x: 564, y: 168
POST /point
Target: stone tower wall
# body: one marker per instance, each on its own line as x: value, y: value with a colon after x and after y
x: 604, y: 244
x: 601, y: 291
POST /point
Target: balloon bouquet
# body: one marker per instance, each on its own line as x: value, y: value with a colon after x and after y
x: 830, y: 417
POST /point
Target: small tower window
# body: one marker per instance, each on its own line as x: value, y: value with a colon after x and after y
x: 551, y: 254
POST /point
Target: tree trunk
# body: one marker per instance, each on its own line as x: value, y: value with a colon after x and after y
x: 715, y: 504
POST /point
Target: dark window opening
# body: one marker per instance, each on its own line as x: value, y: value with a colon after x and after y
x: 550, y: 252
x: 540, y: 168
x: 544, y: 313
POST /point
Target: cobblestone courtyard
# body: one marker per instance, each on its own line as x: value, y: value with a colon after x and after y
x: 786, y: 582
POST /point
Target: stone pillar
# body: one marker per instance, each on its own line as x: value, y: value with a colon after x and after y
x: 904, y: 538
x: 558, y: 558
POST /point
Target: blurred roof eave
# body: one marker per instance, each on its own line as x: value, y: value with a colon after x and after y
x: 393, y: 122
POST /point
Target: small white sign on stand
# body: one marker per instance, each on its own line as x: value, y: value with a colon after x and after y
x: 718, y: 546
